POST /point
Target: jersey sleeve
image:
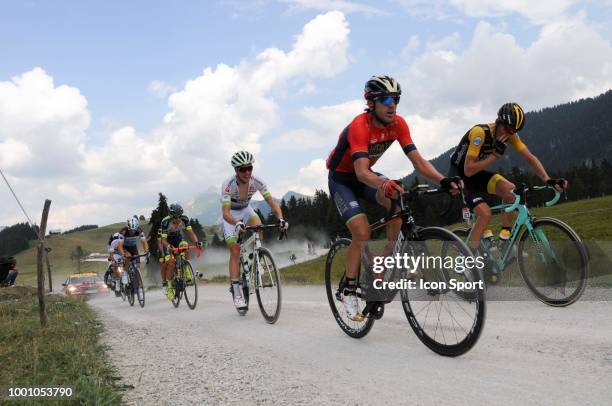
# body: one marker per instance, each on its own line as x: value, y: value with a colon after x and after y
x: 476, y: 138
x: 186, y: 222
x: 358, y: 139
x: 404, y: 137
x: 516, y: 142
x: 226, y: 198
x: 263, y: 188
x: 163, y: 230
x: 141, y: 235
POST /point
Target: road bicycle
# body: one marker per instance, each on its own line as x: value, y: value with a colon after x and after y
x: 446, y: 321
x: 184, y: 282
x: 132, y: 285
x: 550, y: 255
x: 259, y: 274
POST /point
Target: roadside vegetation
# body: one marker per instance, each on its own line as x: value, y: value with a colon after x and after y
x: 66, y: 353
x: 591, y: 219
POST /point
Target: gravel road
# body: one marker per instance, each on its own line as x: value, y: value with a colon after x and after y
x: 529, y: 353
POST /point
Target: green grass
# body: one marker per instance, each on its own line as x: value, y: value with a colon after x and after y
x: 62, y: 246
x: 591, y: 219
x: 66, y: 353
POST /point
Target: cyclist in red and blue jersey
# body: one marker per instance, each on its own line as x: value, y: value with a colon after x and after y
x: 350, y: 177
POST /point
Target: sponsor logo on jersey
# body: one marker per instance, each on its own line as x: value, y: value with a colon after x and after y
x: 478, y: 141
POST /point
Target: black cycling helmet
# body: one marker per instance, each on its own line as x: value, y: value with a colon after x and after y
x: 175, y: 210
x: 511, y: 115
x: 381, y: 86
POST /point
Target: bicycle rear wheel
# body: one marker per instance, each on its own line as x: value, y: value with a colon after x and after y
x: 268, y: 286
x: 335, y: 267
x: 191, y: 286
x: 553, y: 262
x: 446, y: 319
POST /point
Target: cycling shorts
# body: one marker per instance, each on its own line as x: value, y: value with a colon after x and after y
x: 345, y: 189
x: 477, y: 185
x: 229, y: 230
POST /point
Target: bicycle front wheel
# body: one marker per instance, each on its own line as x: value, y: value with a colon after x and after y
x: 446, y: 305
x: 129, y: 289
x: 139, y: 286
x: 335, y: 268
x: 268, y: 286
x: 191, y: 286
x: 553, y: 262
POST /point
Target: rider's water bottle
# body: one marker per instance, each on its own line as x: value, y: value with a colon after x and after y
x: 124, y: 278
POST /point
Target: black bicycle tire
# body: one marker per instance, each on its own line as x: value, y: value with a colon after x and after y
x: 584, y: 272
x: 463, y: 346
x: 351, y: 332
x: 138, y: 277
x: 271, y: 319
x: 192, y: 306
x: 176, y: 301
x: 130, y: 288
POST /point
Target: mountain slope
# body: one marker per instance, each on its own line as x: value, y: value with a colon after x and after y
x: 562, y: 136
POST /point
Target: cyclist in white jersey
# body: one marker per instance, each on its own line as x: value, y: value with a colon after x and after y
x: 236, y: 193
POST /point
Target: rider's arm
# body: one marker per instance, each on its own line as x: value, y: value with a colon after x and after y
x: 535, y: 164
x: 227, y: 215
x: 275, y: 207
x: 120, y: 249
x: 472, y: 165
x: 145, y: 243
x: 365, y: 175
x: 192, y: 236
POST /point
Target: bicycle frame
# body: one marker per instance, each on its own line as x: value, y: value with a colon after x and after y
x: 253, y: 243
x: 249, y: 249
x: 523, y: 219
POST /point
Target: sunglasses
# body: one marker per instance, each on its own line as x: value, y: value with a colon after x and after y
x: 243, y: 169
x: 387, y: 100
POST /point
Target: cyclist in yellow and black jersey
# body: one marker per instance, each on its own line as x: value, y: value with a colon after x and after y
x: 481, y: 146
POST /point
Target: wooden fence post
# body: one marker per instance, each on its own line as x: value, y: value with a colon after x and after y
x: 47, y: 251
x: 39, y: 264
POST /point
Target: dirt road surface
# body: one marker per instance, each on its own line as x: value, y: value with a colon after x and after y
x: 529, y: 353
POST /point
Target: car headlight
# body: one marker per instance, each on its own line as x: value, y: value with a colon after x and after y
x: 72, y: 289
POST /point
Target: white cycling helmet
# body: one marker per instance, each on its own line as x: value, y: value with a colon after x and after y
x: 382, y: 85
x: 133, y: 223
x: 242, y: 158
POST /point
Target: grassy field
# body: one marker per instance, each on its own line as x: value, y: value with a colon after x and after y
x: 66, y: 353
x: 591, y: 219
x: 62, y: 246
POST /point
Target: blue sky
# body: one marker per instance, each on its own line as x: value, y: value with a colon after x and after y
x: 106, y: 86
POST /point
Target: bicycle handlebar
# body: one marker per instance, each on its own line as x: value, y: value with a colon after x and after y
x: 552, y: 201
x: 259, y: 227
x: 411, y: 195
x: 187, y: 248
x: 515, y: 205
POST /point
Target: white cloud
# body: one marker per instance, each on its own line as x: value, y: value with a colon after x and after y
x: 159, y: 88
x: 43, y: 122
x: 308, y: 88
x: 309, y: 178
x: 568, y: 60
x: 411, y: 47
x: 224, y: 109
x: 539, y: 12
x: 326, y: 5
x: 324, y: 125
